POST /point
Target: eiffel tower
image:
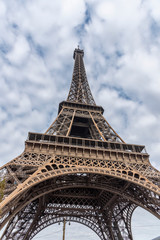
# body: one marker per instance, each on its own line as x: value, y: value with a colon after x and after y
x: 79, y: 170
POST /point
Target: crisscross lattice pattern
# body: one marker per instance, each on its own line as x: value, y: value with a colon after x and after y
x: 80, y: 91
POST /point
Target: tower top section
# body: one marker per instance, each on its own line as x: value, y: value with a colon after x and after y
x: 78, y: 51
x: 80, y: 91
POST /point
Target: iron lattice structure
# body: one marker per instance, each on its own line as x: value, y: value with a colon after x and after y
x: 80, y: 169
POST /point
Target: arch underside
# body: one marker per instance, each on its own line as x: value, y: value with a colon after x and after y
x: 94, y: 218
x: 52, y: 208
x: 103, y: 203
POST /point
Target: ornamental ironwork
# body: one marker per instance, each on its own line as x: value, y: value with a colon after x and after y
x: 79, y: 170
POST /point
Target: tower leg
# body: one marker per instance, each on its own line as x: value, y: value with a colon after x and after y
x: 23, y: 224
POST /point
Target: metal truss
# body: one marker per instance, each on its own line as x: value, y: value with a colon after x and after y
x: 80, y: 169
x: 80, y: 91
x: 105, y: 204
x: 93, y: 121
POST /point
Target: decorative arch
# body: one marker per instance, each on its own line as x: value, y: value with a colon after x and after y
x: 112, y: 188
x: 52, y: 169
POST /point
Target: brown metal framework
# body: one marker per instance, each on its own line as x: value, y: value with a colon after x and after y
x: 79, y: 170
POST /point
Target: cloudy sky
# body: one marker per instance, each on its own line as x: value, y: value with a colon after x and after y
x: 121, y: 40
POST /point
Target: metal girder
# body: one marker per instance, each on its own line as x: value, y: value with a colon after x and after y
x: 80, y: 170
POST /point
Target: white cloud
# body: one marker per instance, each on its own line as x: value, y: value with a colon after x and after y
x: 106, y: 10
x: 19, y: 51
x: 2, y: 10
x: 152, y: 6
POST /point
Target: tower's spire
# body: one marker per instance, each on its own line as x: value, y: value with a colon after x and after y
x: 80, y: 90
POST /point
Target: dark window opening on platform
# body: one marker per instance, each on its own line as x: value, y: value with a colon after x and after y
x: 80, y: 128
